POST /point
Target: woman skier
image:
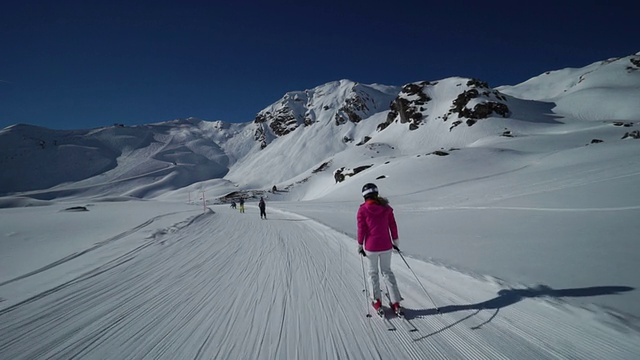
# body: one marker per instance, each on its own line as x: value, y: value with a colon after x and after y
x: 378, y: 234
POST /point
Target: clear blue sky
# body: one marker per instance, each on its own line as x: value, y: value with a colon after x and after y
x: 84, y: 64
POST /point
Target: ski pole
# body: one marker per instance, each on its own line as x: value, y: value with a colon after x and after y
x: 416, y: 276
x: 366, y: 292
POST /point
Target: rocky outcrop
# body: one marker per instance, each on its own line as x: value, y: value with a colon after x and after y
x: 409, y: 105
x: 475, y: 101
x: 260, y: 136
x: 354, y: 107
x: 283, y: 119
x: 339, y: 175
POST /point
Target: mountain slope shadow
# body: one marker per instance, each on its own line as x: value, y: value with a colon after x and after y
x: 507, y: 297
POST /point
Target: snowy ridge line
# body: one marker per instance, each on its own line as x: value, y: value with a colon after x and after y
x: 64, y: 190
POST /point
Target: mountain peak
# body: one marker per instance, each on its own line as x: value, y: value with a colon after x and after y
x: 336, y: 102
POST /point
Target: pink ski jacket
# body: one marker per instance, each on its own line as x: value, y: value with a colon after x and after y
x: 376, y: 226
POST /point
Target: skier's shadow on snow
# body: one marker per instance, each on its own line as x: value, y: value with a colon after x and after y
x: 508, y: 297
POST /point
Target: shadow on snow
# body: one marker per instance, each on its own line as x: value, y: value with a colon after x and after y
x: 508, y: 297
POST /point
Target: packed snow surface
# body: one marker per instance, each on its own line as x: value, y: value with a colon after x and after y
x: 173, y: 281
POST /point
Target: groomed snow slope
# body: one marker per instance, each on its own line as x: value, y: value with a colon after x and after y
x: 187, y: 283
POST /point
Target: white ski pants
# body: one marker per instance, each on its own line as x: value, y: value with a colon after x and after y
x: 383, y: 260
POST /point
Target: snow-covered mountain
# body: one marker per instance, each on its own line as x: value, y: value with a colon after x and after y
x: 338, y: 102
x: 606, y: 89
x: 306, y: 130
x: 128, y: 160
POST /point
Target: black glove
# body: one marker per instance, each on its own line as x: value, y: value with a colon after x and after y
x: 396, y: 248
x: 361, y: 251
x: 396, y: 244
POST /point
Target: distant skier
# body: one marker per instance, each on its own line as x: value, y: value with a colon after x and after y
x: 378, y: 232
x: 242, y: 205
x: 263, y: 207
x: 233, y: 204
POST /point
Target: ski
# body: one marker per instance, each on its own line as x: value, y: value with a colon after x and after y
x: 381, y: 314
x: 388, y: 323
x: 401, y: 315
x: 407, y: 323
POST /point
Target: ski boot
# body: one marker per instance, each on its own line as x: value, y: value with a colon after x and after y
x: 377, y: 306
x: 397, y: 309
